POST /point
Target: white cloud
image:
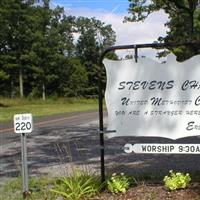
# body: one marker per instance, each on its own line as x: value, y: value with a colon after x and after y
x: 128, y: 33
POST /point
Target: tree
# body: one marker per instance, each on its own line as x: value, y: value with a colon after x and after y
x: 75, y: 82
x: 95, y: 37
x: 183, y: 24
x: 41, y: 48
x: 15, y: 38
x: 4, y: 74
x: 39, y: 55
x: 52, y: 45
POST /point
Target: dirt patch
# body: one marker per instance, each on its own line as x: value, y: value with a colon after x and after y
x: 154, y: 192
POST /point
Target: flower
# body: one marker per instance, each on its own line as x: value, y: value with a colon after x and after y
x: 114, y: 174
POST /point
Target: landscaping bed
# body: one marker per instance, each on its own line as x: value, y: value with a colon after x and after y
x: 41, y: 189
x: 154, y: 192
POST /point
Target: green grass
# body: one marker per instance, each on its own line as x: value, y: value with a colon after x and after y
x: 38, y: 107
x: 39, y: 189
x: 77, y: 186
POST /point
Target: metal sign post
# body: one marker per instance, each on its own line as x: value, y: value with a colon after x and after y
x: 24, y: 165
x: 23, y: 124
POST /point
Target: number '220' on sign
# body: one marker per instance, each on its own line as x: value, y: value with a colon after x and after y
x: 23, y: 123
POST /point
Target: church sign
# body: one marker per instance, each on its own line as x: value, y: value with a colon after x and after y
x: 151, y: 99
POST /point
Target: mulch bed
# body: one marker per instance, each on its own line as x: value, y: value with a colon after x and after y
x: 154, y: 192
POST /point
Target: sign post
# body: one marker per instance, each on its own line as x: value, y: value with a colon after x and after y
x: 23, y: 124
x: 24, y: 165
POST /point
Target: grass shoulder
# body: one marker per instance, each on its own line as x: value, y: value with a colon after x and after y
x: 38, y: 107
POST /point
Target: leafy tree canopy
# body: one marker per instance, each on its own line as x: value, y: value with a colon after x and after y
x: 39, y: 55
x: 183, y: 23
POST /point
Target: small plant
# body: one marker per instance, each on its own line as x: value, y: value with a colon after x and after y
x: 118, y: 183
x: 176, y: 180
x: 78, y: 186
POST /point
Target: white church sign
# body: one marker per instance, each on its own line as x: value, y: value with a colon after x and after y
x: 152, y: 99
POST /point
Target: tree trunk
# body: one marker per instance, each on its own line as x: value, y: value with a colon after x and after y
x: 43, y: 92
x: 11, y: 89
x: 192, y: 22
x: 21, y: 84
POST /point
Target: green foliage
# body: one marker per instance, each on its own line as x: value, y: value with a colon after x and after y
x: 176, y: 180
x: 95, y: 37
x: 78, y: 80
x: 3, y: 75
x: 78, y: 186
x: 39, y: 55
x: 183, y: 22
x: 118, y: 183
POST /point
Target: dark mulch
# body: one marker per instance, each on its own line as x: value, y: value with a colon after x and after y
x: 154, y: 192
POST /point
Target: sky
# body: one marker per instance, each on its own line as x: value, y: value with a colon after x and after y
x: 118, y: 6
x: 113, y: 12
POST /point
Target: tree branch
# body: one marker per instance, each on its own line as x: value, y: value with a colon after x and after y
x: 179, y: 6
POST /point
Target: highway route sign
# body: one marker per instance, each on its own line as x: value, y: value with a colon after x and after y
x: 23, y: 123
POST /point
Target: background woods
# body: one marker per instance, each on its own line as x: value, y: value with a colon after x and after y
x: 45, y: 52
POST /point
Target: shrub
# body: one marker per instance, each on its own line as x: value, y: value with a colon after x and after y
x: 79, y: 185
x: 118, y: 183
x: 176, y: 180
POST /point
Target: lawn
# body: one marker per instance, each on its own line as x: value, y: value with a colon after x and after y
x: 38, y: 107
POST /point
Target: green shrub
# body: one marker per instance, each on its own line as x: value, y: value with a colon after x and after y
x: 118, y: 183
x: 176, y: 180
x: 79, y: 185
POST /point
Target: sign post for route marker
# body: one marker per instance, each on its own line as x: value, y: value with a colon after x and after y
x: 23, y: 124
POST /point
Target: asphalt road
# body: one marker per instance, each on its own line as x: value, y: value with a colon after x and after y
x: 54, y: 142
x: 54, y: 121
x: 61, y: 143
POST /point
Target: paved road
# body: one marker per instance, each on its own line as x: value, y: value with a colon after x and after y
x: 55, y: 121
x: 53, y: 143
x: 60, y: 143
